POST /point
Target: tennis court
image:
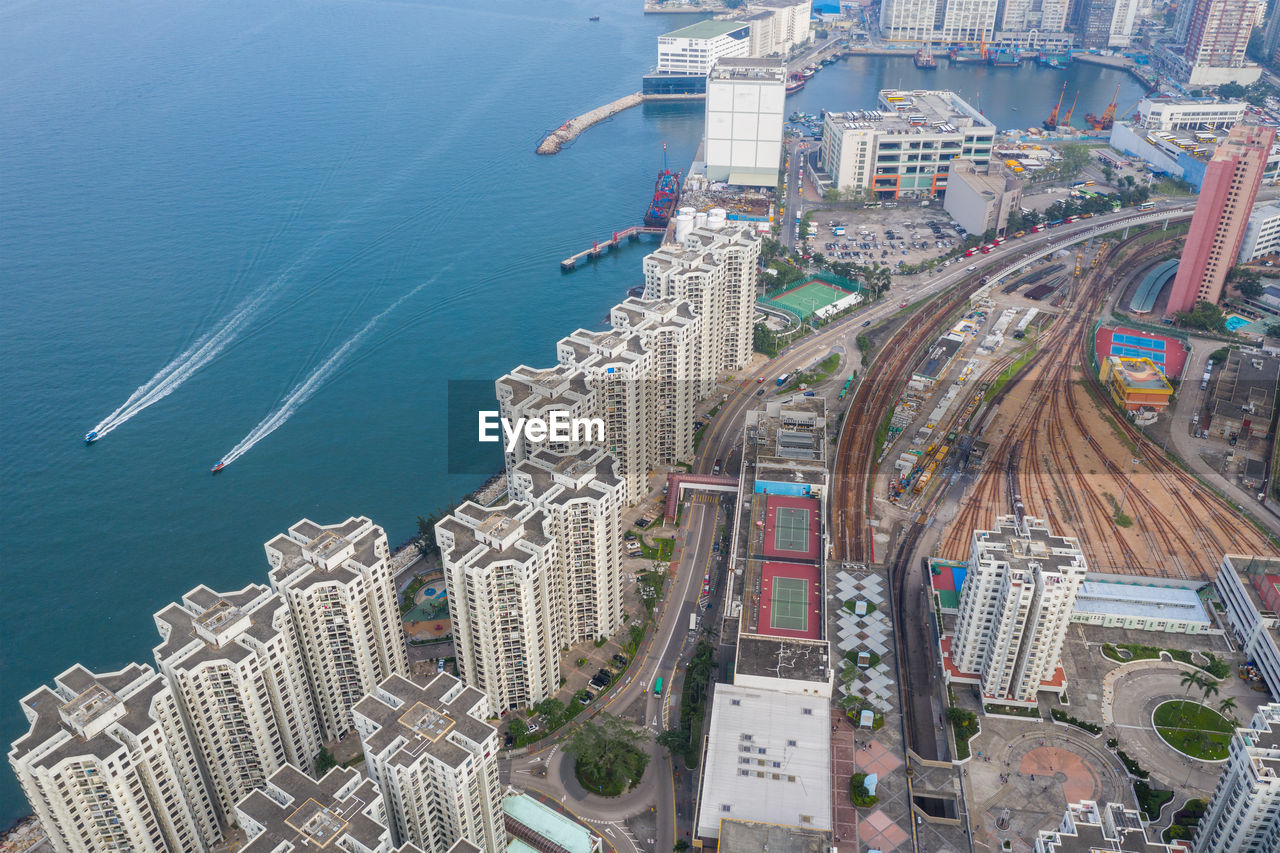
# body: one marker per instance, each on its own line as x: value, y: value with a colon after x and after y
x: 790, y: 610
x: 806, y: 298
x: 791, y: 529
x: 790, y: 603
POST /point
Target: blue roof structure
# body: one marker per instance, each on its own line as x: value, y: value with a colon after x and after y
x: 1144, y: 298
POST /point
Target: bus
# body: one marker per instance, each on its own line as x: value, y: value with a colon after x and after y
x: 1147, y: 205
x: 657, y: 686
x: 782, y: 380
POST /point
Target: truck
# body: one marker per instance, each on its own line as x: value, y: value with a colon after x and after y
x: 693, y: 622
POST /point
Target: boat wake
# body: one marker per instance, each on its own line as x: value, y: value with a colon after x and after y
x: 170, y: 377
x: 304, y: 391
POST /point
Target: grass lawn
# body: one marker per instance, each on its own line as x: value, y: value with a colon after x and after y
x: 1195, y: 729
x: 662, y: 549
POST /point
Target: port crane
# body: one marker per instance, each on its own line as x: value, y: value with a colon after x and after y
x: 1108, y: 116
x: 1066, y: 119
x: 1051, y: 123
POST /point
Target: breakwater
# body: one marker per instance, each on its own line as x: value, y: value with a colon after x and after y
x: 570, y: 130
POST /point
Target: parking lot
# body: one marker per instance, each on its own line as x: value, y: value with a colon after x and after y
x: 892, y: 236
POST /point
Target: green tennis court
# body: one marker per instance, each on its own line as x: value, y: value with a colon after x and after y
x: 790, y: 606
x: 791, y: 529
x: 810, y: 296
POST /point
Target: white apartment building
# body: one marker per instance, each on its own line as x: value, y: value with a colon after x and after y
x: 1242, y: 583
x: 1189, y: 114
x: 343, y: 811
x: 789, y: 24
x: 670, y: 330
x: 905, y: 146
x: 1244, y: 814
x: 620, y: 370
x: 435, y: 761
x: 981, y: 198
x: 1015, y: 608
x: 342, y: 596
x: 1089, y: 828
x: 1262, y: 234
x: 692, y: 50
x: 500, y: 570
x: 1217, y: 35
x: 529, y: 392
x: 234, y: 664
x: 107, y: 765
x: 1040, y: 15
x: 714, y: 269
x: 582, y: 497
x: 1123, y: 17
x: 939, y: 21
x: 743, y: 128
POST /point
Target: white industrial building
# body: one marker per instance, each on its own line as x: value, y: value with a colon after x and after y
x: 107, y: 764
x: 1189, y: 114
x: 692, y: 50
x: 1021, y: 16
x: 342, y: 811
x: 582, y: 497
x: 1262, y: 234
x: 939, y: 21
x: 1241, y: 583
x: 435, y: 761
x: 981, y: 199
x: 1173, y: 610
x: 714, y: 269
x: 342, y: 596
x: 235, y: 666
x: 1015, y: 609
x: 501, y: 574
x: 905, y: 146
x: 768, y: 759
x: 743, y: 128
x: 1243, y: 816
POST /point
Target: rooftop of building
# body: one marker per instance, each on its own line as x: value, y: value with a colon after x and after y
x: 782, y: 657
x: 1021, y: 546
x: 568, y: 835
x: 205, y: 625
x: 652, y: 314
x: 485, y: 536
x: 1112, y: 828
x: 589, y: 474
x: 749, y: 70
x: 561, y: 386
x: 706, y: 30
x: 430, y: 715
x: 990, y: 180
x: 1148, y: 602
x: 1139, y: 374
x: 311, y: 551
x: 744, y: 836
x: 301, y: 812
x: 1245, y: 388
x: 916, y: 111
x: 768, y: 758
x: 1261, y: 739
x: 76, y: 717
x: 935, y: 361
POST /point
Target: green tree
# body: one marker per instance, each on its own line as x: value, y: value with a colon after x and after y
x: 1189, y: 680
x: 1219, y: 355
x: 1247, y: 282
x: 551, y: 711
x: 607, y: 754
x: 324, y: 762
x: 425, y: 541
x: 1075, y: 157
x: 961, y: 718
x: 518, y: 729
x: 1205, y: 315
x: 1231, y: 91
x: 1108, y: 172
x: 1226, y: 706
x: 672, y: 740
x: 1273, y: 330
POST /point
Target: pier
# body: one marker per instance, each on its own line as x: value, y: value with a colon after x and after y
x: 570, y: 130
x: 599, y: 247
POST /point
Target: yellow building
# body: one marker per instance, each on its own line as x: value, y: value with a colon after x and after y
x: 1135, y: 383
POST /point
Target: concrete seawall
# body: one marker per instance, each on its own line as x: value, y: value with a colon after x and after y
x: 569, y: 131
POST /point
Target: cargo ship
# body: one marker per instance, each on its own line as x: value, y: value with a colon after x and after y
x: 924, y: 58
x: 666, y: 192
x: 1004, y: 59
x: 795, y: 83
x: 964, y: 56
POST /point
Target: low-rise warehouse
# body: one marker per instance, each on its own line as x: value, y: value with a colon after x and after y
x: 1244, y: 396
x: 1141, y: 608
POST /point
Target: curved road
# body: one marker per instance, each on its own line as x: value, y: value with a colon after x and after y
x: 545, y: 771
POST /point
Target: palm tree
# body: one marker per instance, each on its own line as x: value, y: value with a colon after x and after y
x: 1226, y: 706
x: 1189, y: 680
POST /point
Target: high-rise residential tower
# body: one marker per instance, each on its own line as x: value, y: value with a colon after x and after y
x: 501, y: 573
x: 529, y: 392
x: 1244, y: 814
x: 1015, y: 607
x: 1221, y: 216
x: 435, y: 760
x: 107, y: 765
x: 582, y: 497
x: 341, y: 594
x: 234, y: 664
x: 1216, y: 38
